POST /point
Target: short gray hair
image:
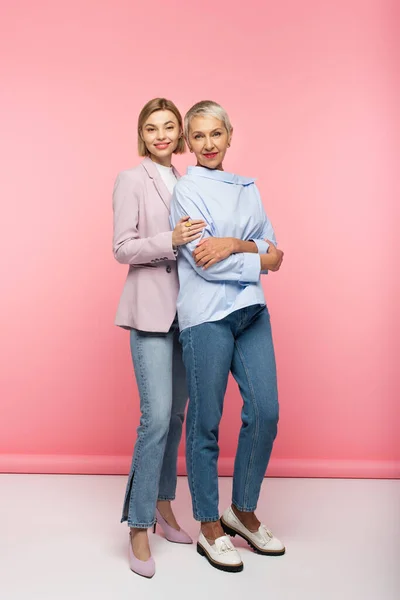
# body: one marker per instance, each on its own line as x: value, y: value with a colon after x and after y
x: 210, y: 109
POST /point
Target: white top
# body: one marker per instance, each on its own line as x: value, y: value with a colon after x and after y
x: 168, y: 176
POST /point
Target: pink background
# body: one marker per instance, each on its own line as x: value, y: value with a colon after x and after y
x: 312, y: 91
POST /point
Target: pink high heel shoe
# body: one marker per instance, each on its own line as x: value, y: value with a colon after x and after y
x: 145, y: 568
x: 171, y: 534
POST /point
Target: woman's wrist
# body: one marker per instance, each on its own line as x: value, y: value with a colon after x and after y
x: 242, y: 246
x: 265, y: 262
x: 235, y: 246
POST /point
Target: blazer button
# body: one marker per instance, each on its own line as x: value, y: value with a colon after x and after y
x: 169, y: 269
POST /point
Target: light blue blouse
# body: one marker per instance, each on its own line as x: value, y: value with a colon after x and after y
x: 231, y: 206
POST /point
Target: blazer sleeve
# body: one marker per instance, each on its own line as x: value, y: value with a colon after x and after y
x: 128, y: 247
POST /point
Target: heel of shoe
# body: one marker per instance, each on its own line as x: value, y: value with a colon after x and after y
x: 200, y: 550
x: 227, y: 529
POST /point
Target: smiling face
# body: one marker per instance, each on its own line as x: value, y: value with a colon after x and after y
x: 161, y: 133
x: 209, y: 140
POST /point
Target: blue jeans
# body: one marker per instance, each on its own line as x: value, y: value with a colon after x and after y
x: 240, y: 343
x: 161, y: 380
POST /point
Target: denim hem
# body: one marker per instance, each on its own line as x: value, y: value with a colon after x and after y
x: 206, y: 519
x: 169, y: 498
x: 141, y: 525
x: 244, y: 508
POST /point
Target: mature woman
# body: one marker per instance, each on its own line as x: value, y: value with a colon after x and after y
x: 143, y: 240
x: 225, y: 327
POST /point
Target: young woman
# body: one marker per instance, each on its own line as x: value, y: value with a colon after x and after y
x: 225, y: 327
x: 143, y: 240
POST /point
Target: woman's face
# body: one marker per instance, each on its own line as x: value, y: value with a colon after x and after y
x: 209, y: 140
x: 161, y: 133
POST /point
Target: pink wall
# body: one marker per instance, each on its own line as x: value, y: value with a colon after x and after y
x: 311, y: 89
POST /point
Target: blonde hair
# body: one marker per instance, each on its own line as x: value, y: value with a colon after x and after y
x: 147, y: 110
x: 207, y: 108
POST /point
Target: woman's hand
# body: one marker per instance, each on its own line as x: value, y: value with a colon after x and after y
x: 187, y: 231
x: 212, y: 250
x: 273, y: 259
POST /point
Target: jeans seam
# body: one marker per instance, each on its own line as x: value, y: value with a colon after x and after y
x: 138, y: 449
x: 194, y: 425
x: 257, y: 425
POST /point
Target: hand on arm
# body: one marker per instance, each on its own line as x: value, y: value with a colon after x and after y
x: 187, y: 231
x: 242, y: 267
x: 212, y: 250
x: 272, y: 260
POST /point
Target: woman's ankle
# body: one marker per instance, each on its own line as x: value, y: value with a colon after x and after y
x: 138, y: 531
x: 165, y: 508
x: 212, y: 530
x: 248, y: 519
x: 164, y: 504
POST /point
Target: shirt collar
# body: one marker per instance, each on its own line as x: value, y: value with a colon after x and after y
x: 219, y: 175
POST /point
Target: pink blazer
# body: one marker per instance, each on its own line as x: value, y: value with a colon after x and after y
x: 143, y: 240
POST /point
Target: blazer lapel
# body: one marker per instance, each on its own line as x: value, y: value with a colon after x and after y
x: 158, y: 182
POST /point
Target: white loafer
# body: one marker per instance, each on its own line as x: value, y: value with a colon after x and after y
x: 262, y: 541
x: 222, y: 554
